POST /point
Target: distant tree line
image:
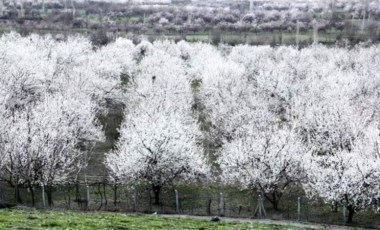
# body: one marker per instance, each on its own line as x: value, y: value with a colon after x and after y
x: 182, y: 18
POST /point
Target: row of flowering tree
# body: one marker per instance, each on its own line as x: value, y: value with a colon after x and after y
x: 51, y: 94
x: 283, y: 116
x: 275, y: 117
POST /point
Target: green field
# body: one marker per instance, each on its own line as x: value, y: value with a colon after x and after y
x: 34, y: 219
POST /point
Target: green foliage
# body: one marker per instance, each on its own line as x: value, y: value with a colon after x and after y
x: 125, y: 79
x: 211, y: 144
x: 129, y: 19
x: 196, y: 84
x: 82, y: 12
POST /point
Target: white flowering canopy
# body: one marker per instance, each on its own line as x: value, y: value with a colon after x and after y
x: 50, y: 95
x: 159, y: 136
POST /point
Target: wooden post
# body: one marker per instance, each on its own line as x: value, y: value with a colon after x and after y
x: 43, y: 7
x: 43, y: 194
x: 72, y: 8
x: 315, y: 32
x: 298, y: 34
x: 250, y: 6
x: 17, y: 195
x: 260, y: 210
x: 344, y: 214
x: 115, y: 194
x: 209, y: 206
x: 257, y: 207
x: 221, y: 204
x: 260, y: 213
x: 134, y: 200
x: 363, y: 22
x: 262, y: 206
x: 88, y: 196
x: 299, y: 209
x: 1, y: 7
x: 176, y: 201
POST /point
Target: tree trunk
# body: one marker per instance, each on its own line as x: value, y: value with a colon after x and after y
x: 351, y: 212
x: 274, y: 199
x: 66, y: 194
x: 105, y: 195
x: 101, y: 197
x: 49, y: 194
x: 77, y: 195
x: 209, y: 206
x: 115, y: 195
x: 32, y: 194
x: 17, y: 194
x: 69, y: 196
x: 156, y: 191
x: 17, y: 191
x: 334, y: 207
x: 275, y: 205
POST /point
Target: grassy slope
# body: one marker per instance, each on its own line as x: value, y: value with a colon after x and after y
x: 19, y: 219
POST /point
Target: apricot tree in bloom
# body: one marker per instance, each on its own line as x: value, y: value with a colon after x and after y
x: 159, y: 137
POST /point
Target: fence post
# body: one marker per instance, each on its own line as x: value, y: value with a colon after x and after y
x: 299, y: 209
x: 298, y: 34
x: 209, y: 206
x: 315, y: 32
x: 259, y: 202
x: 257, y: 206
x: 115, y: 194
x: 262, y: 206
x: 176, y: 201
x: 134, y: 200
x: 344, y: 214
x: 260, y: 210
x: 88, y: 196
x: 43, y: 194
x: 17, y: 195
x: 221, y: 204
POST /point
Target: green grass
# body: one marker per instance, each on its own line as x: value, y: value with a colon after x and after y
x: 134, y: 19
x: 96, y: 18
x: 46, y: 12
x: 129, y: 19
x: 82, y: 12
x: 34, y: 219
x: 7, y: 29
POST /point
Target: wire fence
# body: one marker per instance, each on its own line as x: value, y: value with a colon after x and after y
x: 185, y: 199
